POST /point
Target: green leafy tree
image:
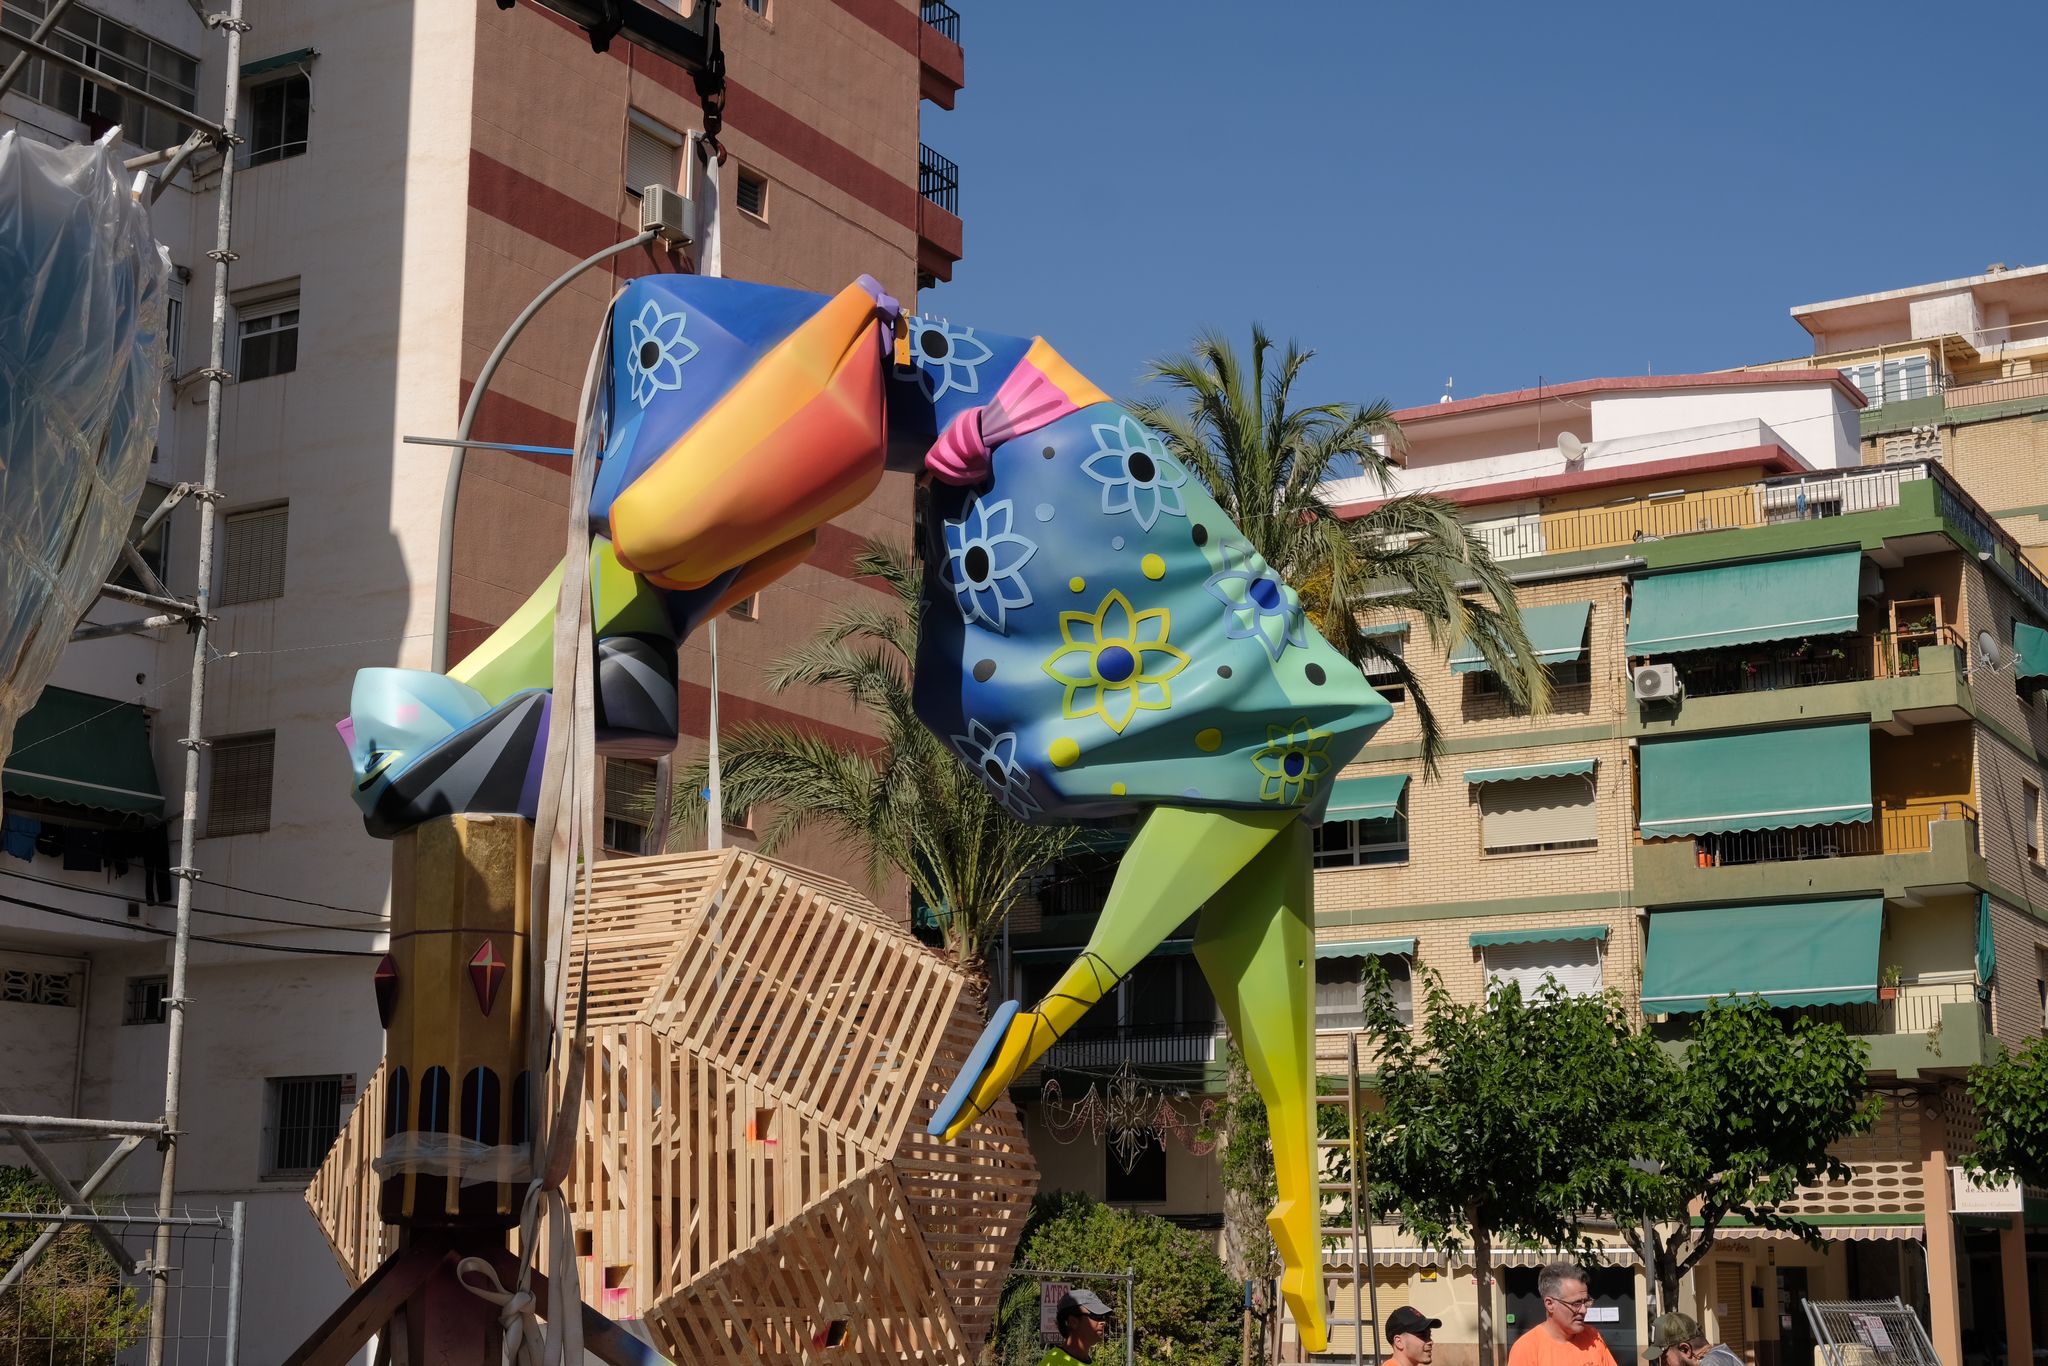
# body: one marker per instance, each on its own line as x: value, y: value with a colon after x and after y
x: 907, y: 803
x: 2010, y: 1094
x: 1232, y: 420
x: 1756, y: 1107
x: 1186, y: 1306
x: 1509, y: 1121
x: 71, y: 1308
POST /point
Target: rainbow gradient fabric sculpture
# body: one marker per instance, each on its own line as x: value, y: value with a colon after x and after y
x: 1098, y: 641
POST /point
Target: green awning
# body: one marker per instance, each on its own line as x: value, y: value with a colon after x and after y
x: 1384, y: 628
x: 1541, y: 934
x: 1758, y: 780
x: 86, y: 751
x: 1804, y: 953
x: 1516, y: 772
x: 1363, y: 948
x: 298, y: 56
x: 1558, y: 633
x: 2030, y: 651
x: 1744, y: 604
x: 1987, y: 945
x: 1367, y: 799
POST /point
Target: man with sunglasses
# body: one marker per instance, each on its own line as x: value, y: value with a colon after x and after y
x: 1563, y: 1338
x: 1408, y: 1331
x: 1083, y: 1319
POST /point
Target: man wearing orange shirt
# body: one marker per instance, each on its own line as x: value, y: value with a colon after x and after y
x: 1562, y: 1339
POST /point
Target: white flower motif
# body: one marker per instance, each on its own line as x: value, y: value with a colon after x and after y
x: 948, y: 358
x: 1260, y: 603
x: 1136, y: 474
x: 985, y: 562
x: 994, y: 758
x: 659, y: 351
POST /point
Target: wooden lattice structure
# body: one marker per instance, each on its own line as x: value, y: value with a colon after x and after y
x: 754, y: 1180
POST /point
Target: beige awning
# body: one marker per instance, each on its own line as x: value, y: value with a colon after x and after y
x: 1340, y: 1255
x: 1836, y: 1233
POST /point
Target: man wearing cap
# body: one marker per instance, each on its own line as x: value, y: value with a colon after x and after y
x: 1082, y: 1318
x: 1676, y: 1340
x: 1408, y: 1333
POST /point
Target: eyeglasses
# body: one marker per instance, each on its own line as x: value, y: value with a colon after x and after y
x: 1576, y: 1306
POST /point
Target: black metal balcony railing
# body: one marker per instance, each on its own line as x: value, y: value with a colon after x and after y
x: 1897, y: 830
x: 1190, y: 1043
x: 942, y: 17
x: 938, y: 179
x: 1075, y: 891
x: 1817, y: 660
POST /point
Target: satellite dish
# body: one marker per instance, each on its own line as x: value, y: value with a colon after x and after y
x: 1571, y: 448
x: 1990, y: 652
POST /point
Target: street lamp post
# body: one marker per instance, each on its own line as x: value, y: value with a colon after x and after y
x: 1649, y: 1166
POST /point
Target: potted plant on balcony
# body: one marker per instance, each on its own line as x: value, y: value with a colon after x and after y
x: 1888, y: 983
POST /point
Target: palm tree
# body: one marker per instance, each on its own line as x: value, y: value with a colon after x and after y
x: 907, y: 803
x: 1265, y: 462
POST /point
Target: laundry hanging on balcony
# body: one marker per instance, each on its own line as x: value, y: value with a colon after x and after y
x: 1744, y: 604
x: 1757, y: 780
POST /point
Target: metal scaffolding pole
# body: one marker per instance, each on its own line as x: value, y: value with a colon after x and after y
x: 195, y: 712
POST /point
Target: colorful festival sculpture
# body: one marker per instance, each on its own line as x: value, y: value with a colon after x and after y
x: 1099, y: 641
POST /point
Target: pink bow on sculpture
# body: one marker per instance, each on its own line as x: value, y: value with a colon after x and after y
x: 1027, y: 401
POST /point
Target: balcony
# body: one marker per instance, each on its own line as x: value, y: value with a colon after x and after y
x: 1928, y: 1026
x: 942, y: 67
x: 1191, y: 1044
x: 939, y: 231
x: 2030, y: 390
x: 1812, y: 663
x: 1910, y: 848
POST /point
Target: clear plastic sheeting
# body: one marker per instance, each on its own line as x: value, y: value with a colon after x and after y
x: 82, y: 289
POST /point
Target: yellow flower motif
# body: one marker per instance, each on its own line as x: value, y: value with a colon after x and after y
x: 1114, y: 662
x: 1292, y: 761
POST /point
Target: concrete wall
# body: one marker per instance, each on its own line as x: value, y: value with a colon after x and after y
x: 1815, y: 420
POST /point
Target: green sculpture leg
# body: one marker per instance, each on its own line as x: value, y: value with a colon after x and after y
x: 1179, y: 860
x: 1255, y: 944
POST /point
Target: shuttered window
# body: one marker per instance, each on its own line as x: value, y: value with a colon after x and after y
x: 653, y: 157
x: 238, y: 789
x: 629, y: 798
x: 752, y: 193
x: 1730, y: 1307
x: 1534, y: 814
x: 1575, y: 963
x: 252, y: 560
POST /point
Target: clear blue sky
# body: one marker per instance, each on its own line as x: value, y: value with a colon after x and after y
x: 1490, y: 192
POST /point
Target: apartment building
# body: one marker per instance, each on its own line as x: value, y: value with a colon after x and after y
x: 1956, y: 371
x: 413, y: 175
x: 1795, y: 749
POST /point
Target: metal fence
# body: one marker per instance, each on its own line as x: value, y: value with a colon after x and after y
x: 938, y: 179
x: 64, y: 1301
x: 1897, y: 830
x: 1869, y: 1333
x: 942, y: 17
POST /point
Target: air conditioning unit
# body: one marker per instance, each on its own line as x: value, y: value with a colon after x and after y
x: 673, y: 216
x: 1656, y: 683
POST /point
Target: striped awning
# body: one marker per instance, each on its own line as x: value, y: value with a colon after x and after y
x: 1337, y: 1253
x: 1835, y: 1233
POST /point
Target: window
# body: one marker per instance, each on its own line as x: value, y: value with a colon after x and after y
x: 654, y: 154
x: 2030, y: 798
x: 1538, y: 815
x: 1572, y: 673
x: 629, y: 796
x: 1574, y: 963
x: 747, y: 608
x: 1381, y: 672
x: 1909, y: 377
x: 2041, y: 984
x: 143, y: 1002
x: 238, y: 789
x: 752, y: 193
x: 304, y: 1116
x: 1364, y: 844
x: 174, y: 328
x: 26, y: 986
x: 252, y: 555
x: 115, y: 49
x: 1340, y: 990
x: 1141, y: 1181
x: 270, y: 341
x: 759, y: 7
x: 277, y: 118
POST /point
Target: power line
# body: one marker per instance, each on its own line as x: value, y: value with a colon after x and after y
x: 199, y: 910
x: 172, y: 934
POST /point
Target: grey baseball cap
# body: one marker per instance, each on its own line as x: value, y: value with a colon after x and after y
x: 1086, y: 1301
